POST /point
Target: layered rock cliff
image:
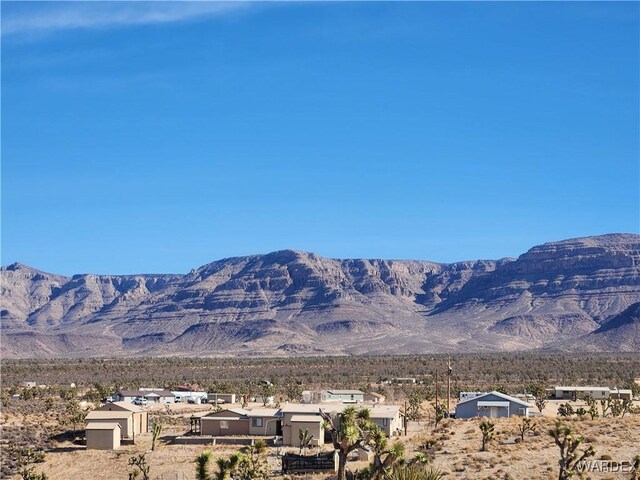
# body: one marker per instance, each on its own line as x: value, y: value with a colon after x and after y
x: 292, y: 302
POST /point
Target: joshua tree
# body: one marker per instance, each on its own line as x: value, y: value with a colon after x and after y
x: 349, y: 430
x: 487, y: 428
x: 565, y: 410
x: 635, y: 468
x: 157, y: 430
x: 415, y: 404
x: 305, y: 439
x: 526, y: 426
x: 75, y: 415
x: 570, y: 457
x: 540, y: 394
x: 385, y: 457
x: 203, y: 461
x: 606, y: 406
x: 252, y: 465
x: 140, y: 467
x: 440, y: 413
x: 293, y: 391
x: 227, y: 466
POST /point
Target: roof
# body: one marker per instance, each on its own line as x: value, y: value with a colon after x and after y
x: 345, y: 392
x: 583, y: 389
x: 494, y: 404
x: 129, y: 393
x: 312, y: 407
x: 130, y: 407
x: 264, y: 412
x: 235, y: 413
x: 239, y: 417
x: 497, y: 394
x: 102, y: 426
x: 157, y: 393
x: 107, y: 415
x: 306, y: 418
x: 145, y: 393
x: 388, y: 411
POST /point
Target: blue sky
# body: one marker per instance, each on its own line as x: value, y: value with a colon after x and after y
x: 156, y: 137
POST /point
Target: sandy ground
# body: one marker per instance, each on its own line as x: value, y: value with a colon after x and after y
x: 457, y: 451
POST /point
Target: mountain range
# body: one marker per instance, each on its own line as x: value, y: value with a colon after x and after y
x: 573, y: 294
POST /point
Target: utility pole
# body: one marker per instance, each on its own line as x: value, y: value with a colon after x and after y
x: 448, y: 385
x: 437, y: 408
x: 405, y: 418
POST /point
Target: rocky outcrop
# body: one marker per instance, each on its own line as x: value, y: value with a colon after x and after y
x: 292, y: 302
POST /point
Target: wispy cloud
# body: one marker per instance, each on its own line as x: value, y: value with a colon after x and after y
x: 38, y: 18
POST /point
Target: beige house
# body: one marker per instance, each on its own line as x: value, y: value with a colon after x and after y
x: 103, y: 435
x: 374, y: 398
x: 132, y: 420
x: 232, y: 421
x: 289, y: 420
x: 264, y: 421
x: 388, y: 418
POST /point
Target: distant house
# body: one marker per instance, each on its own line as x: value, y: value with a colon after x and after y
x: 493, y: 404
x: 575, y: 393
x: 621, y: 394
x: 404, y: 380
x: 468, y: 395
x: 132, y: 420
x: 221, y: 397
x: 189, y: 396
x: 103, y: 435
x: 345, y: 396
x: 152, y: 395
x: 373, y: 397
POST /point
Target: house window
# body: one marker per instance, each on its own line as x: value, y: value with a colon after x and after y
x: 385, y: 422
x: 256, y: 422
x: 224, y: 424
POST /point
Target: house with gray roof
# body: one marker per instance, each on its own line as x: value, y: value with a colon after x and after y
x: 493, y: 405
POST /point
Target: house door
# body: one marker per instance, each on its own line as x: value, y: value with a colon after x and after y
x: 493, y: 412
x: 279, y: 428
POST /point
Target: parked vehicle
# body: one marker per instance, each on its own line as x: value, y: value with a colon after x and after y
x: 140, y: 401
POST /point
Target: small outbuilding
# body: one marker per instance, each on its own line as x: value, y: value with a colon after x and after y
x: 493, y: 405
x: 133, y: 420
x: 103, y: 435
x: 221, y: 397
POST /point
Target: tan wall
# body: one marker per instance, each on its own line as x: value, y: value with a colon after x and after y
x: 392, y: 426
x: 236, y: 427
x: 126, y: 429
x: 291, y: 433
x: 103, y: 439
x: 140, y: 422
x: 270, y: 423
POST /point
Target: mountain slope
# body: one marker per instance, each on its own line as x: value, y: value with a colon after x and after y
x: 292, y: 302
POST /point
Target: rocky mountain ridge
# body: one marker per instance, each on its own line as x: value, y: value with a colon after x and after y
x: 291, y: 302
